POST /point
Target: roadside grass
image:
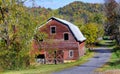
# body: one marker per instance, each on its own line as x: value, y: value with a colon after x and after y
x: 48, y: 69
x: 108, y: 43
x: 114, y: 62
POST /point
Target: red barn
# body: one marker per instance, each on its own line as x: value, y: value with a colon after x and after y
x: 64, y: 43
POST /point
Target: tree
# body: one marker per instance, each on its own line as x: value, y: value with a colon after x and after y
x: 16, y: 31
x: 113, y: 16
x: 90, y: 31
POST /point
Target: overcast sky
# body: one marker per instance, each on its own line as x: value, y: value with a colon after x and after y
x: 54, y: 4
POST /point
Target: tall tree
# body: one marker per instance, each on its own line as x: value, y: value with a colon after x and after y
x: 16, y: 30
x: 90, y: 31
x: 113, y: 17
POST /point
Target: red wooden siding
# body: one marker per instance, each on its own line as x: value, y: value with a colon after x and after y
x: 60, y: 30
x: 56, y: 42
x: 82, y: 48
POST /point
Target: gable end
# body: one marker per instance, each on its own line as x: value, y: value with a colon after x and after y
x: 71, y: 30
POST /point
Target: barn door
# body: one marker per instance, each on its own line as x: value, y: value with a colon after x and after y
x: 59, y: 56
x: 50, y: 58
x: 54, y: 57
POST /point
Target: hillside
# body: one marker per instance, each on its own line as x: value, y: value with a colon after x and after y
x: 76, y: 12
x: 83, y: 11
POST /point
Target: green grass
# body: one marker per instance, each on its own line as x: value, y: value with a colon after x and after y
x: 108, y: 43
x: 47, y: 69
x: 114, y: 62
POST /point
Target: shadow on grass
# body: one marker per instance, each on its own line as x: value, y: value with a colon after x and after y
x: 106, y: 43
x: 114, y: 63
x: 116, y: 49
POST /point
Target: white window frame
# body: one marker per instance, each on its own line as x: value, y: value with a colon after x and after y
x: 71, y: 51
x: 51, y: 29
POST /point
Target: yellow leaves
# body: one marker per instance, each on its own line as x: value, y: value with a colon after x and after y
x: 91, y: 32
x: 3, y: 53
x: 0, y: 2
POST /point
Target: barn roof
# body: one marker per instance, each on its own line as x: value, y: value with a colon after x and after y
x: 74, y: 29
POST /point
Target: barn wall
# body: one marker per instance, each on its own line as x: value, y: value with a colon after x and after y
x: 60, y: 30
x: 81, y: 49
x: 75, y: 55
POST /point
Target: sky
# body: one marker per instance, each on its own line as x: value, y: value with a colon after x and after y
x: 55, y: 4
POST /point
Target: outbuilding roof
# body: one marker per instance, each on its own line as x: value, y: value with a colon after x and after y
x: 73, y: 28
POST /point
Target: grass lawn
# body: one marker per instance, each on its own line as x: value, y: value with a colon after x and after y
x: 107, y: 43
x: 47, y: 69
x: 114, y: 62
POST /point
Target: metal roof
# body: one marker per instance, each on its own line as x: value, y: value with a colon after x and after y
x: 73, y: 28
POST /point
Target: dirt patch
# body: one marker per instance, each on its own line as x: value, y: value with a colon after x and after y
x: 109, y: 72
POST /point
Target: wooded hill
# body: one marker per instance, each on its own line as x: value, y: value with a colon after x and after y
x: 79, y: 10
x: 76, y: 12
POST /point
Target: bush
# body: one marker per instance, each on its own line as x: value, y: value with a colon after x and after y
x: 108, y: 38
x: 116, y: 50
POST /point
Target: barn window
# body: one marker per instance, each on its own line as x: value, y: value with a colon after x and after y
x: 53, y: 29
x: 71, y: 53
x: 66, y: 36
